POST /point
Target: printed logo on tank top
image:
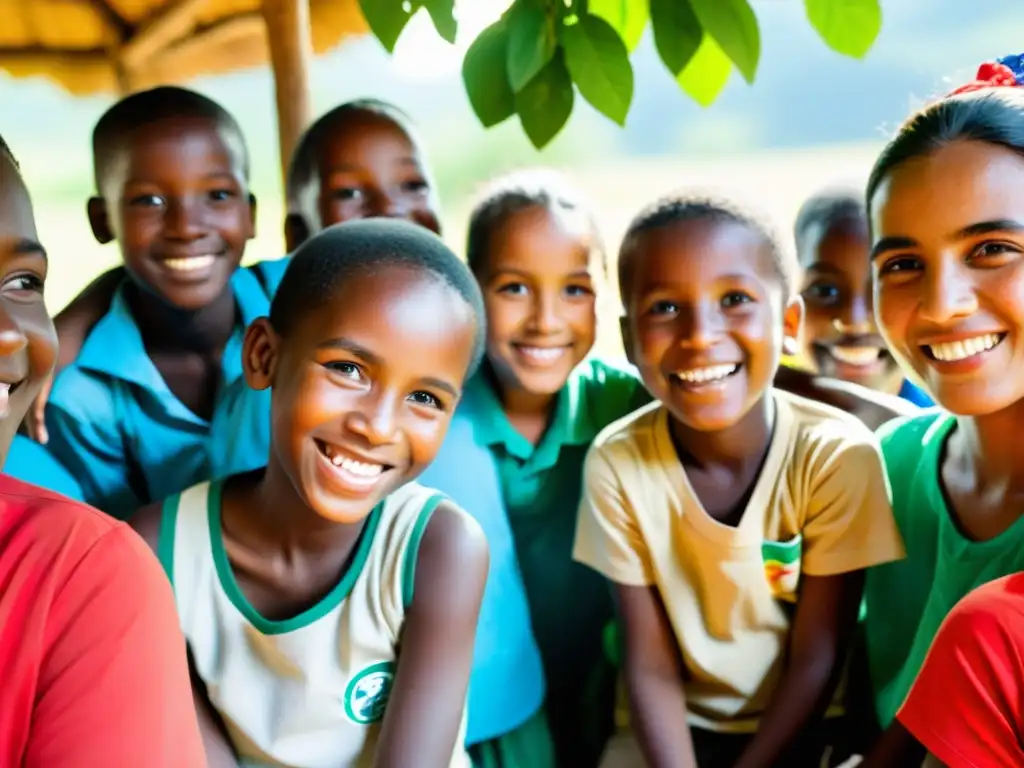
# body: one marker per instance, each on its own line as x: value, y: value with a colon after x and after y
x: 366, y: 695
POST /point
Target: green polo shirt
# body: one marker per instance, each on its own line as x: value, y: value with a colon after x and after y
x: 570, y: 604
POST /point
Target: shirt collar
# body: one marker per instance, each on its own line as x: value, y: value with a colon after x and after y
x: 571, y: 424
x: 114, y: 347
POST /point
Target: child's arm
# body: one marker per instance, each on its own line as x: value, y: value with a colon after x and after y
x: 219, y: 753
x: 425, y: 710
x: 848, y: 527
x: 826, y: 617
x: 73, y: 324
x: 609, y: 540
x: 871, y: 407
x: 654, y: 679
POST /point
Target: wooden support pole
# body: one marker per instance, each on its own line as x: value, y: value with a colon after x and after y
x: 291, y: 50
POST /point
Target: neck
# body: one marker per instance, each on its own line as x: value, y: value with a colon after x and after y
x: 518, y: 403
x: 283, y: 521
x: 735, y: 446
x: 991, y: 448
x: 167, y: 327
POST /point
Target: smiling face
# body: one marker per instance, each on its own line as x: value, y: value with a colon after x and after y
x: 706, y: 319
x: 176, y: 199
x: 538, y: 284
x: 839, y: 325
x: 364, y: 387
x: 948, y: 259
x: 367, y: 166
x: 28, y: 341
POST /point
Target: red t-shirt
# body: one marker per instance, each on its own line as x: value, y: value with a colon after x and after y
x: 967, y: 705
x: 93, y: 668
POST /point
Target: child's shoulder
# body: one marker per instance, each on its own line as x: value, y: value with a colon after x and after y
x: 630, y: 433
x: 820, y: 434
x: 913, y: 432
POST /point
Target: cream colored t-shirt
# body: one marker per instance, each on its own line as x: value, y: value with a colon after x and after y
x: 820, y: 506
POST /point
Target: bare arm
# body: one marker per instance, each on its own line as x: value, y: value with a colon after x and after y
x: 654, y: 680
x: 424, y: 713
x: 219, y: 752
x: 826, y: 615
x: 73, y: 324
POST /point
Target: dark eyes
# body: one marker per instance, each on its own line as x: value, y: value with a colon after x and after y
x: 415, y: 186
x: 156, y: 201
x: 728, y: 301
x: 521, y: 289
x: 990, y: 255
x: 25, y: 282
x: 352, y: 371
x: 822, y: 293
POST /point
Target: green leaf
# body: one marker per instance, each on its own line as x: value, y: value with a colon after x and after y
x: 706, y: 74
x: 849, y: 27
x: 627, y: 17
x: 486, y: 78
x: 677, y: 32
x: 442, y: 13
x: 531, y: 42
x: 386, y: 19
x: 599, y: 64
x: 545, y: 104
x: 734, y: 26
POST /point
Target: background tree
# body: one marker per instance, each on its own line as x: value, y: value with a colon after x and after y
x: 540, y: 54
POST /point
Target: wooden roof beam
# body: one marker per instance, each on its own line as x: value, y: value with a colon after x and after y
x: 158, y: 32
x: 291, y: 50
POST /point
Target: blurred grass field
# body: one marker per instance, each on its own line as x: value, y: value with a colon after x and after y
x: 775, y: 183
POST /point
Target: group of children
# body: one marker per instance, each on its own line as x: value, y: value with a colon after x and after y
x: 410, y: 520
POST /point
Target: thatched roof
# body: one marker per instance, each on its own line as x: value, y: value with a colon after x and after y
x: 91, y: 46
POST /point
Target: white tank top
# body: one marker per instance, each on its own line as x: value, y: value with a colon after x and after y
x: 310, y: 691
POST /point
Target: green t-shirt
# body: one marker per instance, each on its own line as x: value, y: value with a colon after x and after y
x: 570, y: 604
x: 908, y: 600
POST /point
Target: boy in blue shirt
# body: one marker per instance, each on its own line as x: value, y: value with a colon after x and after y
x: 131, y: 418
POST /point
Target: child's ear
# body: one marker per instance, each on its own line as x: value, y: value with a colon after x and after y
x: 260, y: 350
x: 296, y: 231
x: 792, y: 323
x: 96, y: 209
x: 252, y: 215
x: 627, y: 338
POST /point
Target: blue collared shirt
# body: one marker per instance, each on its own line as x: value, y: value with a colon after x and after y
x: 31, y: 462
x: 116, y: 425
x: 506, y: 684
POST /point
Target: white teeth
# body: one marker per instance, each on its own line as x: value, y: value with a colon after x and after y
x: 960, y: 350
x: 704, y: 375
x: 543, y: 354
x: 191, y: 264
x: 856, y: 355
x: 358, y: 468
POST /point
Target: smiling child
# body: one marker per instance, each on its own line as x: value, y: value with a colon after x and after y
x: 91, y: 658
x: 839, y: 330
x: 734, y: 519
x: 131, y: 417
x: 330, y: 603
x: 947, y: 255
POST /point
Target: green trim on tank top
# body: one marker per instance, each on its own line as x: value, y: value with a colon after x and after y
x: 330, y: 601
x: 412, y: 549
x: 168, y: 530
